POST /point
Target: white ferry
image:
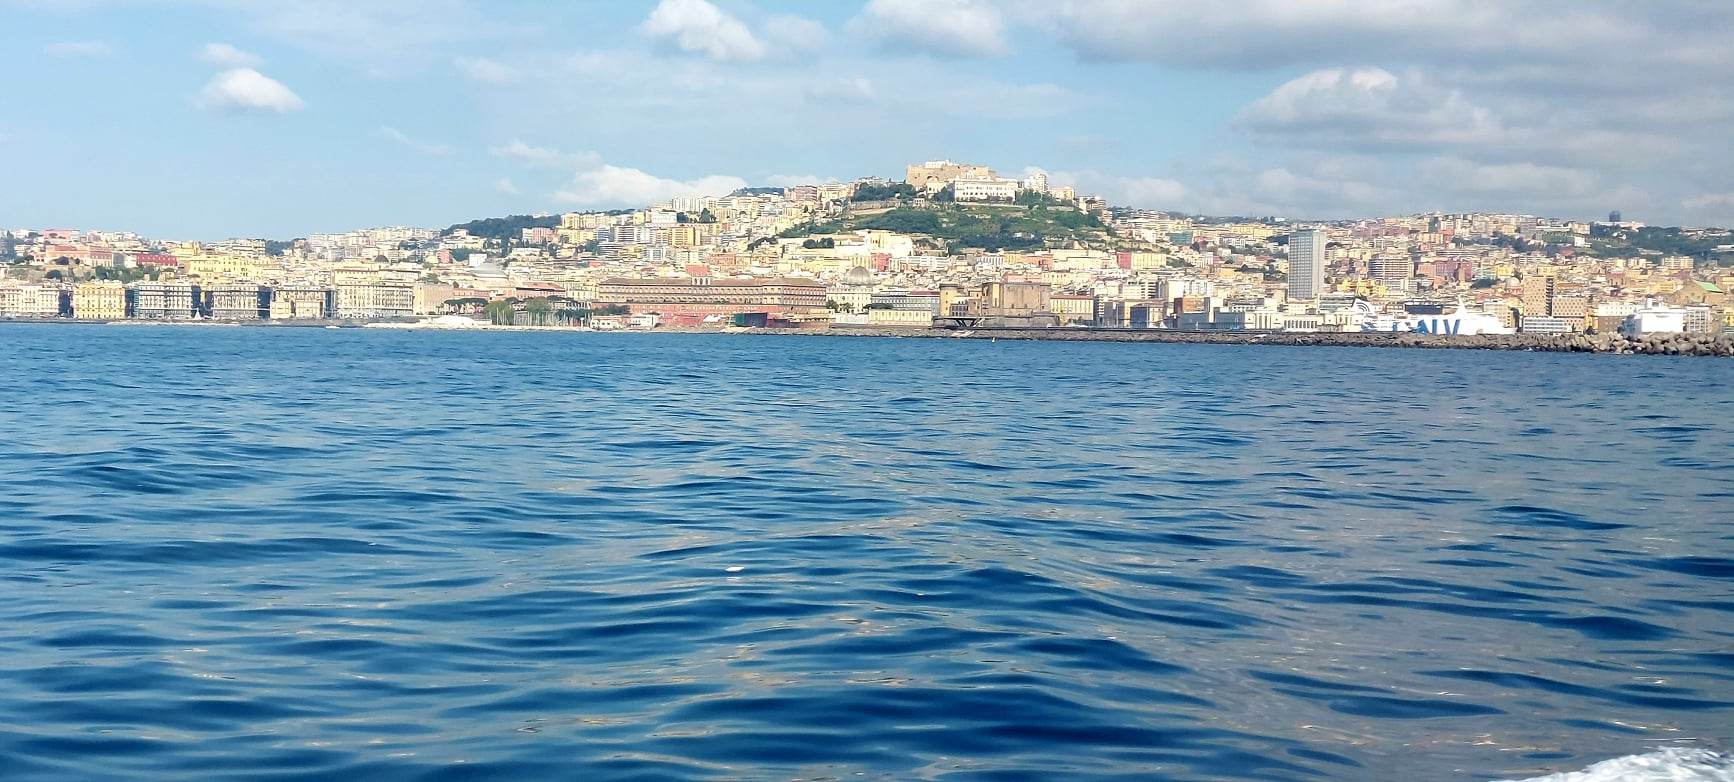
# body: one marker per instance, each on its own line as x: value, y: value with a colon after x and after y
x: 1462, y: 323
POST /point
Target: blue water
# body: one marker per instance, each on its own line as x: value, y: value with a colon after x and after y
x: 252, y: 553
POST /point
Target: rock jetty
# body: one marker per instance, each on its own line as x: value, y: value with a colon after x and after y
x: 1651, y: 344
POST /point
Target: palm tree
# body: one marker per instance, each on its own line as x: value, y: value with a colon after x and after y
x: 539, y: 311
x: 500, y: 312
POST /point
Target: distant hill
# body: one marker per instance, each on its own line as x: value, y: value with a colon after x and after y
x: 756, y: 191
x: 505, y: 227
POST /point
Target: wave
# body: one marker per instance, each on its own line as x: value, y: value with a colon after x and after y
x: 1672, y: 764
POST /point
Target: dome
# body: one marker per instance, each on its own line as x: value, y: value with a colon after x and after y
x: 859, y: 276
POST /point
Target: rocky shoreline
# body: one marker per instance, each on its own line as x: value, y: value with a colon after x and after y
x: 1719, y: 345
x: 1716, y: 345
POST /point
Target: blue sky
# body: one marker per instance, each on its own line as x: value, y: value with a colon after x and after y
x: 214, y: 118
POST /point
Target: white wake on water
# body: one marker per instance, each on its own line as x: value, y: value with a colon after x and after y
x: 1673, y: 764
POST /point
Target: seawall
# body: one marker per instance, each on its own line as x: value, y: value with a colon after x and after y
x: 1652, y: 344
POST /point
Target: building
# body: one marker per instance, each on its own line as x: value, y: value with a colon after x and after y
x: 1548, y: 324
x: 28, y: 300
x: 1538, y: 292
x: 984, y: 189
x: 1024, y: 304
x: 236, y: 301
x: 1390, y: 267
x: 689, y: 299
x: 223, y: 266
x: 99, y: 301
x: 1072, y: 308
x: 374, y: 300
x: 908, y: 301
x: 936, y: 174
x: 163, y: 300
x: 1306, y: 265
x: 898, y: 318
x: 291, y: 302
x: 1700, y: 319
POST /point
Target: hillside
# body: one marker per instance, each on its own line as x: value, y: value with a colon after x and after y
x: 959, y: 226
x: 505, y: 227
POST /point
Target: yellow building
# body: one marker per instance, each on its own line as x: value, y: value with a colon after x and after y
x: 99, y: 301
x: 1148, y: 260
x: 215, y: 267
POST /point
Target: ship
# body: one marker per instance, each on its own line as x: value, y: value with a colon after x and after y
x: 1464, y: 322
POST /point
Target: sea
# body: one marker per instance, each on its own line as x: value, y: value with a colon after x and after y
x: 257, y: 553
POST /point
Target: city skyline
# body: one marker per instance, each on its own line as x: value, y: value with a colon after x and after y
x: 217, y: 119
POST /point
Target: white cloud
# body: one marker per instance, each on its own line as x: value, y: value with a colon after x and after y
x: 1265, y: 33
x: 698, y: 27
x: 385, y: 37
x: 225, y: 55
x: 1368, y: 107
x: 1143, y: 192
x: 505, y: 186
x: 485, y: 71
x: 544, y: 157
x: 79, y: 49
x: 1151, y: 191
x: 245, y: 89
x: 856, y: 90
x: 614, y: 186
x: 796, y: 32
x: 393, y: 134
x: 949, y: 28
x: 795, y: 180
x: 1708, y: 201
x: 1524, y: 179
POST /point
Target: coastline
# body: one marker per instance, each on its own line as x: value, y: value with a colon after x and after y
x: 1715, y: 345
x: 1707, y: 345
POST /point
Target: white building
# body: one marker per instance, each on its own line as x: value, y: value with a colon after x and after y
x: 985, y: 189
x: 29, y: 300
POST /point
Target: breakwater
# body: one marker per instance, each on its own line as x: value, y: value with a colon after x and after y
x: 1652, y: 344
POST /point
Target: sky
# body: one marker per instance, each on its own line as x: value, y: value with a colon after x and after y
x: 207, y: 119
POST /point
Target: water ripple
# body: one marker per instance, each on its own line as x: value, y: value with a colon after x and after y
x: 312, y: 554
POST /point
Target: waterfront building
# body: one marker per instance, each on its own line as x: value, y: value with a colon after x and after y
x: 236, y: 301
x: 1700, y: 319
x: 374, y: 299
x: 28, y: 300
x: 163, y: 300
x: 1547, y: 324
x: 899, y: 318
x: 908, y: 301
x: 99, y: 300
x: 291, y: 302
x: 1306, y: 265
x: 1072, y: 308
x: 686, y: 300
